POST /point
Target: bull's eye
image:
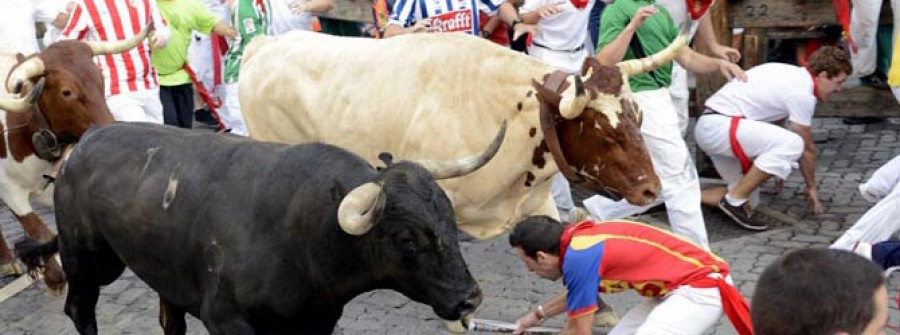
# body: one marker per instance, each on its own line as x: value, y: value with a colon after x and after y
x: 407, y: 244
x: 67, y: 93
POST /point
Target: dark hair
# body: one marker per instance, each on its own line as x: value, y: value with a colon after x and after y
x: 815, y: 291
x: 832, y: 60
x: 537, y: 233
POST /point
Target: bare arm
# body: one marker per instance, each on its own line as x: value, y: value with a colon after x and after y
x: 551, y: 308
x: 708, y: 36
x: 613, y: 52
x: 699, y: 63
x: 808, y: 165
x: 541, y: 12
x: 396, y: 29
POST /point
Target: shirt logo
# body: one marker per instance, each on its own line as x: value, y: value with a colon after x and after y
x: 460, y: 20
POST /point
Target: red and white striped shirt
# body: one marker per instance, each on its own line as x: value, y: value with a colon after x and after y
x: 115, y: 20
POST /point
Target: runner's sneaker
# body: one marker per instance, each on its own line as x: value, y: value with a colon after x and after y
x: 741, y: 215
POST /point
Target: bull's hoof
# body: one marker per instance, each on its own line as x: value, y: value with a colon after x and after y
x: 454, y: 326
x: 606, y: 318
x: 10, y: 269
x: 54, y: 277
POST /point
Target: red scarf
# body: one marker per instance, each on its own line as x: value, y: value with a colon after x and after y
x: 580, y: 4
x: 698, y: 7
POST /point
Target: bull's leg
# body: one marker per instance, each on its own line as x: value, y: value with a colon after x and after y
x: 233, y: 326
x: 8, y: 265
x: 81, y: 303
x: 35, y: 228
x: 171, y: 318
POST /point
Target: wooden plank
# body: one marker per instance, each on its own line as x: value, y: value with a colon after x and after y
x: 756, y: 47
x: 787, y: 13
x: 350, y: 10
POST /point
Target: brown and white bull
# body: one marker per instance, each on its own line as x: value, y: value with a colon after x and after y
x: 49, y: 100
x: 439, y: 96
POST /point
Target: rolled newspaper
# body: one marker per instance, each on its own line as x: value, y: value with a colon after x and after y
x: 494, y: 326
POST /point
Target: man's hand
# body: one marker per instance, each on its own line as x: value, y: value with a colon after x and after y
x: 727, y: 53
x: 423, y: 26
x: 522, y: 29
x: 549, y: 10
x: 642, y: 14
x: 160, y: 37
x: 527, y: 321
x: 731, y: 71
x: 813, y: 196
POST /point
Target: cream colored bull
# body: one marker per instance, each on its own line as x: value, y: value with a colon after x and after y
x: 441, y: 96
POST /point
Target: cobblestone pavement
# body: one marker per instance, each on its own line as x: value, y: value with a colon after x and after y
x: 847, y: 155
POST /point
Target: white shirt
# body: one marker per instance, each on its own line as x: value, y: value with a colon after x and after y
x: 773, y: 91
x: 679, y: 12
x: 282, y: 20
x: 566, y: 30
x: 17, y: 18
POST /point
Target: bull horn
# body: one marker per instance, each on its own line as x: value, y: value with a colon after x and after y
x: 356, y: 213
x: 639, y: 66
x: 572, y: 104
x: 23, y: 104
x: 26, y: 70
x: 103, y: 48
x: 451, y: 169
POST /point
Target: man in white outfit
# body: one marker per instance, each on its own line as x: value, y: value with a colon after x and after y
x: 864, y: 19
x: 746, y: 149
x: 883, y: 219
x: 17, y: 33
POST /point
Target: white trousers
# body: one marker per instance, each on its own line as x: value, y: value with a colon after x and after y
x: 139, y: 106
x: 773, y: 149
x: 685, y: 311
x: 863, y: 29
x: 680, y: 96
x: 882, y: 220
x: 231, y: 111
x: 672, y: 163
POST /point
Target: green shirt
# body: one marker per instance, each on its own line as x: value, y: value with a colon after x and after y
x: 655, y: 34
x: 183, y: 16
x: 249, y: 21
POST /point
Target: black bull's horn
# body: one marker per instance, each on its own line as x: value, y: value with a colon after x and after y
x: 357, y: 211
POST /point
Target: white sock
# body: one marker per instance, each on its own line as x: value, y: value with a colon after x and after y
x: 733, y: 201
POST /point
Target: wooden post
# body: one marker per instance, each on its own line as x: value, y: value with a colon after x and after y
x: 707, y: 84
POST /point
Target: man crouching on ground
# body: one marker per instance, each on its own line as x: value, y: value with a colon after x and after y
x: 686, y: 287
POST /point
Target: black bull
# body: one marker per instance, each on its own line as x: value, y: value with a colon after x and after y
x: 248, y: 236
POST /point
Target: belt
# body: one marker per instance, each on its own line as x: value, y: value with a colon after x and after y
x: 579, y: 48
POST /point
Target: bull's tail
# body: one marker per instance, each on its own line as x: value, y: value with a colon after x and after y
x: 253, y: 47
x: 32, y: 252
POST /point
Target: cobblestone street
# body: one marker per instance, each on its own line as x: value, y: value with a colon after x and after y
x: 847, y: 155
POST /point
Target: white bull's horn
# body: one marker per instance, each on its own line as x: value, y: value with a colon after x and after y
x: 28, y: 69
x: 451, y: 169
x: 356, y: 213
x: 103, y: 48
x: 639, y: 66
x: 573, y: 100
x: 23, y: 104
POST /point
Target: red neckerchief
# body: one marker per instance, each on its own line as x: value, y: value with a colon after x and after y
x: 580, y: 4
x: 698, y: 7
x: 815, y: 85
x: 566, y: 238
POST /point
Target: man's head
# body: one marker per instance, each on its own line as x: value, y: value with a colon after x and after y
x: 829, y: 67
x: 536, y: 239
x: 820, y: 291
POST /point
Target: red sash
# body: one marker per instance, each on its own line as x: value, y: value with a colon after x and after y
x: 736, y: 146
x: 211, y: 104
x: 698, y: 7
x: 733, y: 303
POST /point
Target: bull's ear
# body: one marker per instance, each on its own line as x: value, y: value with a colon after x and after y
x: 546, y: 95
x: 19, y: 57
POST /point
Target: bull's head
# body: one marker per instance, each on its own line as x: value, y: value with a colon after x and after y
x: 63, y: 87
x: 411, y: 220
x: 598, y: 128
